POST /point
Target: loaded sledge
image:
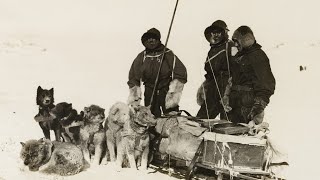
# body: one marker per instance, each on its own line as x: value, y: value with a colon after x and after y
x: 225, y: 149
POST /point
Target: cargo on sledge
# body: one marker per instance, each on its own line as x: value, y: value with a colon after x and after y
x: 215, y: 145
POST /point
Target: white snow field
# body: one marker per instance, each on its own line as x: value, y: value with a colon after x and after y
x: 84, y: 49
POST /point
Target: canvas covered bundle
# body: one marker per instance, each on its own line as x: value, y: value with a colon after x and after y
x: 181, y: 137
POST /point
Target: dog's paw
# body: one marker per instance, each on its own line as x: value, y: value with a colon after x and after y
x: 104, y: 161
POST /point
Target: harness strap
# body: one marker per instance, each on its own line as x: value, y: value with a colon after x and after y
x: 227, y: 56
x: 215, y: 80
x: 145, y: 55
x: 173, y: 66
x: 209, y: 59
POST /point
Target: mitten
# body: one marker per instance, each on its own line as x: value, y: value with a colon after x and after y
x: 201, y: 93
x: 257, y: 110
x: 134, y: 96
x: 225, y: 103
x: 174, y: 94
x: 225, y: 99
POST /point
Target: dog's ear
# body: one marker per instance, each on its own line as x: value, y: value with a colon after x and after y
x: 23, y: 144
x: 86, y: 109
x: 114, y: 111
x: 39, y: 89
x: 42, y: 140
x: 81, y: 114
x: 135, y: 108
x: 52, y: 93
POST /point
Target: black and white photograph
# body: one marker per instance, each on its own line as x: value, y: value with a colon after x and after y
x: 150, y: 89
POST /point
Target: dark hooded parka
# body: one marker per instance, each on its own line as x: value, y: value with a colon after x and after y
x: 145, y: 68
x: 217, y: 66
x: 253, y: 82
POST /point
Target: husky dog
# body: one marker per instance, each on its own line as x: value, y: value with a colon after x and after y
x: 70, y: 121
x: 47, y: 122
x: 52, y: 157
x: 119, y: 114
x: 92, y: 134
x: 134, y: 141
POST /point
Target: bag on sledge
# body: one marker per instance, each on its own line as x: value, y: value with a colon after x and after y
x: 179, y: 135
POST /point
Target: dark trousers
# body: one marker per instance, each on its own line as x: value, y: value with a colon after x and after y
x: 158, y: 104
x: 241, y: 103
x: 212, y: 107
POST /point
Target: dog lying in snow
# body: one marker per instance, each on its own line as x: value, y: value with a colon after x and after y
x: 52, y: 157
x: 134, y: 140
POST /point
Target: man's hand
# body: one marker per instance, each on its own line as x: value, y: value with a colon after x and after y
x: 257, y: 109
x: 225, y: 103
x: 134, y: 96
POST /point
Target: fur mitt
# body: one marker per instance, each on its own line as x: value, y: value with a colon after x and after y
x: 174, y: 94
x: 225, y: 99
x: 202, y: 91
x: 134, y: 96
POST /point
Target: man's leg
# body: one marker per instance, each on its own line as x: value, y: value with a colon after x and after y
x: 155, y: 107
x: 211, y: 105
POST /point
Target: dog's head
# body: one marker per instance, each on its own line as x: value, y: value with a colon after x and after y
x: 144, y: 117
x: 94, y: 114
x: 44, y: 97
x: 67, y: 115
x: 35, y: 153
x: 61, y: 110
x: 119, y: 113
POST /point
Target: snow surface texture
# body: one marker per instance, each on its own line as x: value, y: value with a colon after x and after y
x: 84, y: 50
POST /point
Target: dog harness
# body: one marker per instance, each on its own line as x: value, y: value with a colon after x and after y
x: 140, y: 133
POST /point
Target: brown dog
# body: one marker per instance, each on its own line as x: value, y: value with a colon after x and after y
x: 119, y: 114
x: 134, y: 141
x: 92, y: 133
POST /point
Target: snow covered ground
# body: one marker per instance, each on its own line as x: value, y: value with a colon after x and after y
x: 84, y: 50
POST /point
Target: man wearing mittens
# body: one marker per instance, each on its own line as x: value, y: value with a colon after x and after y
x: 145, y: 67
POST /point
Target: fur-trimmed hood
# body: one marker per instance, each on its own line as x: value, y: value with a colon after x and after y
x: 244, y: 36
x: 151, y: 33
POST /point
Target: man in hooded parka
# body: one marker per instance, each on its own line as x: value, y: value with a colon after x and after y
x: 253, y: 82
x: 172, y: 76
x: 217, y: 67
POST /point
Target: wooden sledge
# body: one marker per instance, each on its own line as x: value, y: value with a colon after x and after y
x: 237, y: 156
x: 227, y: 154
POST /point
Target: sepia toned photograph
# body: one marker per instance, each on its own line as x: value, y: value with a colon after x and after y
x: 150, y: 89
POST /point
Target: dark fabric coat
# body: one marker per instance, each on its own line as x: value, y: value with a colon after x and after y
x: 252, y: 79
x: 252, y: 69
x: 146, y: 65
x: 216, y: 65
x: 217, y: 62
